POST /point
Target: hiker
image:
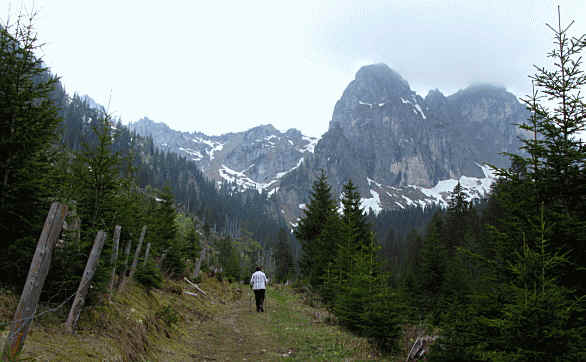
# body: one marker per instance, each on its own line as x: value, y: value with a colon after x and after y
x: 258, y: 283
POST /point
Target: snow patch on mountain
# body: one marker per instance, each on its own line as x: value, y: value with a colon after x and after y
x: 215, y: 146
x: 474, y: 187
x: 310, y: 146
x: 281, y: 174
x: 241, y: 180
x: 418, y: 107
x: 197, y: 156
x: 372, y: 203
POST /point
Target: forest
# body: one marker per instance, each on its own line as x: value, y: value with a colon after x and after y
x: 502, y: 279
x: 499, y: 279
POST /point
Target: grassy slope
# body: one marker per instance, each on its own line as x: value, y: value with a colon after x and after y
x: 223, y: 327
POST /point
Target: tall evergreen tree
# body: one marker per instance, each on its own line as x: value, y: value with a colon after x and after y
x: 529, y: 303
x: 28, y: 122
x: 353, y: 215
x: 284, y: 257
x: 320, y: 208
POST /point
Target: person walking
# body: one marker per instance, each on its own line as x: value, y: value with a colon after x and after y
x: 258, y: 283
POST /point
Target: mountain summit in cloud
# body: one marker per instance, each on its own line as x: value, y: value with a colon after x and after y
x: 400, y: 149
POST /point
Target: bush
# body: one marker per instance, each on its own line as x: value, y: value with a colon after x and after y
x: 149, y: 276
x: 168, y: 315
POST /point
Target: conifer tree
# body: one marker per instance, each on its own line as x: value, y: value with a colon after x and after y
x: 555, y: 166
x: 96, y: 178
x: 433, y: 266
x: 284, y: 258
x: 353, y: 215
x: 529, y: 303
x: 320, y: 208
x: 28, y: 122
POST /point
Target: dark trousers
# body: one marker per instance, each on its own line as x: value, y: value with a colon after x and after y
x: 259, y: 295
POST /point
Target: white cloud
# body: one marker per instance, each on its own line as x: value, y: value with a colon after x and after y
x: 228, y: 66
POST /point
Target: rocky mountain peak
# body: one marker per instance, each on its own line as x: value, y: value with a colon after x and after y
x: 381, y: 76
x: 399, y: 149
x: 377, y: 91
x: 435, y: 98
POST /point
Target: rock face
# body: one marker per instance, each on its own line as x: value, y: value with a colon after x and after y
x: 399, y: 149
x: 256, y: 158
x: 403, y: 150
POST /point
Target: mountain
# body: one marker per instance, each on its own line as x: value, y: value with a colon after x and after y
x: 255, y: 159
x: 399, y: 148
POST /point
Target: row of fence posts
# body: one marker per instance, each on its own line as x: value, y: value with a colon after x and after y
x: 29, y: 299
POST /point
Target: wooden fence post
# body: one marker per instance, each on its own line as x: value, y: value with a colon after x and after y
x: 37, y: 274
x: 162, y: 258
x: 126, y: 256
x: 202, y: 255
x: 137, y: 253
x: 114, y: 259
x: 146, y: 254
x: 125, y: 266
x: 135, y: 260
x: 86, y: 279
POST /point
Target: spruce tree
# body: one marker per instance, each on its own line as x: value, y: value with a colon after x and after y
x: 555, y: 166
x: 529, y: 302
x: 353, y: 215
x: 284, y: 258
x: 320, y: 208
x: 28, y: 123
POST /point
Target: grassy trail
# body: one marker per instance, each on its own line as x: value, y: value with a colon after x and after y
x: 288, y: 330
x: 222, y: 327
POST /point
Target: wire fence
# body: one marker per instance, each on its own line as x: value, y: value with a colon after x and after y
x: 4, y: 324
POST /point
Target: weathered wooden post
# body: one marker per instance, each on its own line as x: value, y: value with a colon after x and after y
x: 146, y: 254
x: 33, y: 286
x: 126, y: 256
x: 162, y: 259
x: 135, y: 260
x: 137, y: 253
x: 114, y: 259
x: 125, y: 266
x: 84, y: 285
x: 197, y: 268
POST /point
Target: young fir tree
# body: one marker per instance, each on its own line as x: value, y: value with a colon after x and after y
x: 432, y: 268
x: 353, y: 215
x: 522, y: 308
x: 28, y: 122
x: 555, y: 165
x: 315, y: 256
x: 96, y: 179
x: 365, y: 303
x: 284, y: 257
x: 350, y: 234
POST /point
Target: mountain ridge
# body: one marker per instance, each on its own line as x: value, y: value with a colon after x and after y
x: 399, y: 148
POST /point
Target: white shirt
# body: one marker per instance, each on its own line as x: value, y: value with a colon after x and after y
x: 259, y: 280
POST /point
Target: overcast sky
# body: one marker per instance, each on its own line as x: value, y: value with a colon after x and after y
x: 225, y: 66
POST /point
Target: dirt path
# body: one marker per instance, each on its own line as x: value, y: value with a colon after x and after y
x: 236, y: 332
x: 289, y: 329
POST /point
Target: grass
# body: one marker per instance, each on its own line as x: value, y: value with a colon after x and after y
x: 309, y: 334
x: 168, y: 325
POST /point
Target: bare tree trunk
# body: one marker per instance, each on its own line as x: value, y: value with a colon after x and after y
x: 84, y: 285
x: 114, y: 259
x: 33, y: 286
x: 146, y: 254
